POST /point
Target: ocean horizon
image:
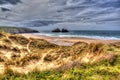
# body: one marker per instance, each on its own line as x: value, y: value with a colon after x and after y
x: 95, y: 34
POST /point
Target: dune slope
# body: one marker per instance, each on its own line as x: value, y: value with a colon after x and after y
x: 25, y: 55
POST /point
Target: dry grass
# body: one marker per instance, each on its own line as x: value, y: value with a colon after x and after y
x: 19, y: 52
x: 19, y: 39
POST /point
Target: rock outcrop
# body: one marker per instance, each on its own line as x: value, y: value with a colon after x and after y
x: 58, y: 30
x: 64, y: 30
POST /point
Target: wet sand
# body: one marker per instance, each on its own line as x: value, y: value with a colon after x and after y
x: 67, y: 41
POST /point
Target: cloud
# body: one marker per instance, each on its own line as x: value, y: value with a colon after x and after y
x: 71, y: 11
x: 10, y: 1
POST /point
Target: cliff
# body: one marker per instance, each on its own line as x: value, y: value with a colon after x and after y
x: 16, y: 30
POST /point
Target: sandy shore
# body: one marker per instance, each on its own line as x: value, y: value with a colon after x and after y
x: 68, y: 41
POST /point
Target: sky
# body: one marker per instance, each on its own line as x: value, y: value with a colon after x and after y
x: 72, y: 14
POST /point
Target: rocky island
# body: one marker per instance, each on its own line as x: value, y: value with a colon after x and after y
x: 58, y: 30
x: 64, y: 30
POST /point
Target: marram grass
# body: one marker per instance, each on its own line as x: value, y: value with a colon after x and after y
x: 36, y: 59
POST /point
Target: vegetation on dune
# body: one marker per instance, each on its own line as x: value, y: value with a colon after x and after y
x: 115, y: 47
x: 2, y: 35
x: 104, y: 70
x: 41, y: 44
x: 36, y: 59
x: 19, y: 39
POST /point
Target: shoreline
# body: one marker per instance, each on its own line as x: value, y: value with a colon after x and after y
x: 68, y: 41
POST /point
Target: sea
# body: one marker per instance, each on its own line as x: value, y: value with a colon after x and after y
x: 95, y: 34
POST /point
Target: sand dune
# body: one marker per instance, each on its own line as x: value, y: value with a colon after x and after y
x: 23, y: 55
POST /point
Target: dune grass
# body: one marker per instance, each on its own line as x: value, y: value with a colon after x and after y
x: 104, y: 70
x: 81, y: 61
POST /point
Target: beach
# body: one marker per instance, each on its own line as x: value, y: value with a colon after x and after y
x: 68, y: 41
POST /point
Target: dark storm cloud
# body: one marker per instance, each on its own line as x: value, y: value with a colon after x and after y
x: 83, y: 11
x: 9, y: 1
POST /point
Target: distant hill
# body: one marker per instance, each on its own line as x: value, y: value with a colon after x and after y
x: 16, y: 30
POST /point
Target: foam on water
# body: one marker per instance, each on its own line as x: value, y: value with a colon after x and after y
x: 103, y: 35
